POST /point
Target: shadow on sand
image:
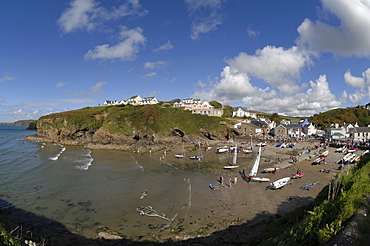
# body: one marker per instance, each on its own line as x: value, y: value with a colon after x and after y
x: 28, y: 226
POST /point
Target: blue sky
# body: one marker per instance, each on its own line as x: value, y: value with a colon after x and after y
x: 289, y: 57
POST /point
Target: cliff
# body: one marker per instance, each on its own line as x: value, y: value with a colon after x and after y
x: 128, y: 127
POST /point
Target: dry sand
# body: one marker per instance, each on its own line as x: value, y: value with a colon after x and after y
x: 251, y: 202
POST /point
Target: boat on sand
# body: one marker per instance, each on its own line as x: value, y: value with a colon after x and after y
x: 253, y: 173
x: 278, y: 184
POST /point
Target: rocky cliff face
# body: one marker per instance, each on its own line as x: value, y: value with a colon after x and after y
x: 102, y: 138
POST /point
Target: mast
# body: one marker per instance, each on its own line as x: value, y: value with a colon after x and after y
x: 235, y: 154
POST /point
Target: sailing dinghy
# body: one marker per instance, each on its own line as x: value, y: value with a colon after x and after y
x: 253, y: 173
x: 235, y: 156
x: 278, y: 184
x: 182, y: 155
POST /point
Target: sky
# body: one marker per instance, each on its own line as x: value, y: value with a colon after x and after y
x: 295, y: 58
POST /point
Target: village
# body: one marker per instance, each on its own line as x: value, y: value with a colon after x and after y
x: 248, y: 123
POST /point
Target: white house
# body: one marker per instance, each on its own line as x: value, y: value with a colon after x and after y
x: 135, y: 100
x: 361, y: 134
x: 243, y: 112
x: 110, y: 103
x: 188, y: 100
x: 149, y: 100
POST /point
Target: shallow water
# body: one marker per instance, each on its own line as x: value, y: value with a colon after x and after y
x: 89, y: 189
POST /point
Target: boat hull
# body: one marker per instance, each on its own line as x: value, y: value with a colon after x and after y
x: 258, y: 179
x: 230, y: 167
x: 271, y: 170
x: 278, y: 184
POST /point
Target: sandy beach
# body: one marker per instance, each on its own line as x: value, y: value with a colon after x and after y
x: 248, y: 203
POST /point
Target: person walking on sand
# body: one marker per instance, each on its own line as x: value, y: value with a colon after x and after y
x: 230, y: 182
x: 221, y: 179
x: 235, y: 180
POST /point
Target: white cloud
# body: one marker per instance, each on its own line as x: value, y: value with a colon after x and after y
x: 277, y: 66
x: 87, y: 14
x: 252, y: 33
x: 359, y: 95
x: 148, y: 75
x: 155, y: 65
x: 235, y: 87
x: 6, y: 78
x: 166, y: 46
x: 205, y: 16
x: 351, y: 37
x: 353, y: 81
x: 127, y: 49
x: 96, y: 89
x: 60, y: 85
x: 359, y: 82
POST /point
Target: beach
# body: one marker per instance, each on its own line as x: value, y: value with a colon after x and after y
x: 250, y: 203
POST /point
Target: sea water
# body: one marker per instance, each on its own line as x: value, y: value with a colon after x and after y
x: 87, y: 190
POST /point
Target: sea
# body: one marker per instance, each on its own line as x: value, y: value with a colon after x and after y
x: 87, y: 190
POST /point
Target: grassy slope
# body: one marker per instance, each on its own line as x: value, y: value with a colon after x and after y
x: 316, y: 223
x: 126, y: 119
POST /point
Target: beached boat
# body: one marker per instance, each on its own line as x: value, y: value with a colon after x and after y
x: 298, y: 175
x: 247, y: 151
x: 253, y: 173
x: 182, y: 155
x: 318, y: 160
x: 235, y: 156
x: 199, y: 156
x: 278, y: 184
x: 341, y: 150
x: 271, y: 169
x: 365, y: 152
x: 325, y: 153
x: 230, y: 167
x: 222, y: 150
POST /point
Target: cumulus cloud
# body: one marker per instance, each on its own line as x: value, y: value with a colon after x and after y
x: 155, y: 65
x: 166, y: 46
x: 205, y: 16
x: 350, y: 37
x: 359, y: 95
x: 235, y: 86
x: 359, y: 82
x: 277, y: 66
x: 88, y: 15
x: 132, y: 41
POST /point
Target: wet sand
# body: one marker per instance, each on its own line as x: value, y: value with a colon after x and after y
x: 250, y: 202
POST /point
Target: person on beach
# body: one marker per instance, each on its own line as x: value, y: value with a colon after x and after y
x: 235, y: 180
x: 230, y: 182
x: 221, y: 179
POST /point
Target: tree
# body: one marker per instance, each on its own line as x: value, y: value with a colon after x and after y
x: 175, y: 101
x: 275, y: 117
x: 215, y: 104
x: 228, y: 111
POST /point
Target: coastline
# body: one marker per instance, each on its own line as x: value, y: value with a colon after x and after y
x: 212, y: 213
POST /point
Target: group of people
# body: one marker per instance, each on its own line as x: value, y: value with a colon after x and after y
x: 231, y: 181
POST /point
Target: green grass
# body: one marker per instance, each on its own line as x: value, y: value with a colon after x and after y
x: 7, y: 239
x: 127, y: 119
x: 318, y: 222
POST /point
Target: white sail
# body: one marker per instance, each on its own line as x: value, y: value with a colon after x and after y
x: 254, y: 170
x: 253, y: 173
x: 235, y: 154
